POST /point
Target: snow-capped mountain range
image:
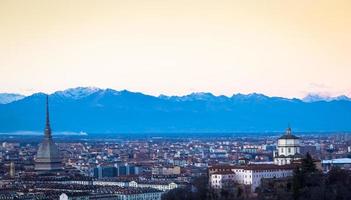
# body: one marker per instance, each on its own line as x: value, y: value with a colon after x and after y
x: 77, y: 93
x: 95, y: 110
x: 81, y: 92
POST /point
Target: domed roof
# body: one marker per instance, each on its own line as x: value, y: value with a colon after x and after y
x: 288, y: 135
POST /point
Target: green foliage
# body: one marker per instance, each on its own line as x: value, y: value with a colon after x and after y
x: 199, y: 190
x: 307, y: 165
x: 307, y: 183
x: 310, y: 184
x: 306, y: 178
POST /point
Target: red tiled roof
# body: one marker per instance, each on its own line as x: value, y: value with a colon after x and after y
x: 253, y: 167
x: 224, y: 172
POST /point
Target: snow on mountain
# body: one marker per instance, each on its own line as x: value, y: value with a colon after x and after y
x: 77, y: 93
x: 198, y: 96
x: 252, y: 96
x: 195, y: 96
x: 342, y: 98
x: 110, y: 111
x: 317, y: 97
x: 6, y: 98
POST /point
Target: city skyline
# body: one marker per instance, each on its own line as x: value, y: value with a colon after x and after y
x: 175, y: 99
x: 287, y: 49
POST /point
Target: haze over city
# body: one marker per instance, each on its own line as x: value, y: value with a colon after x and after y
x: 175, y: 100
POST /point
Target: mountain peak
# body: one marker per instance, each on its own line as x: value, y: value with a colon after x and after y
x: 6, y: 98
x: 110, y: 111
x: 78, y: 92
x: 195, y: 96
x: 318, y: 97
x: 201, y: 95
x: 342, y: 98
x: 256, y: 96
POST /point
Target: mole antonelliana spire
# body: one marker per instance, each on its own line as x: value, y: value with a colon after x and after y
x: 47, y: 125
x: 48, y: 156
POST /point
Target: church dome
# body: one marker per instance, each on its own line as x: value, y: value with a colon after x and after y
x: 288, y: 135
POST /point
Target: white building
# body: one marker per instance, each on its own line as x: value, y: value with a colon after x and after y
x: 342, y: 163
x: 288, y: 149
x: 159, y: 185
x: 248, y: 174
x: 140, y: 196
x: 252, y: 174
x: 121, y: 194
x: 225, y: 179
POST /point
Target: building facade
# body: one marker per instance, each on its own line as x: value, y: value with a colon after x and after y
x: 253, y: 174
x: 221, y: 180
x: 173, y: 170
x: 247, y: 174
x: 288, y: 149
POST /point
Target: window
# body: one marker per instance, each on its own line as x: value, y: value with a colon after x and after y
x: 289, y: 150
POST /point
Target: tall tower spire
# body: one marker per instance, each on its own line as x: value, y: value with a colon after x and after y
x: 47, y: 125
x: 48, y: 155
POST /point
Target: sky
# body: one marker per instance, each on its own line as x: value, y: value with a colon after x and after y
x: 284, y: 48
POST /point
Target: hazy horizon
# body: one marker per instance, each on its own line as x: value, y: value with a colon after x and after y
x: 278, y: 48
x: 322, y: 95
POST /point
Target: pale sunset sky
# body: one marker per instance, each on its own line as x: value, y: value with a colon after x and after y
x: 283, y: 48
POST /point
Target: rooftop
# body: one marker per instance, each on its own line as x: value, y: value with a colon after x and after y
x: 337, y: 161
x: 254, y: 167
x: 288, y: 135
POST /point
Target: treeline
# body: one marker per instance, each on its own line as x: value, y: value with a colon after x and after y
x: 307, y: 183
x: 199, y: 190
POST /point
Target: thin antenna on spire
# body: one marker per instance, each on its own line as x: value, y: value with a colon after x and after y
x: 47, y: 125
x: 47, y: 111
x: 288, y: 130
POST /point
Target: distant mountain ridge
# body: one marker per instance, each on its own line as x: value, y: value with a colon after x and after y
x: 95, y: 110
x: 81, y: 92
x: 77, y: 93
x: 316, y: 97
x: 9, y: 97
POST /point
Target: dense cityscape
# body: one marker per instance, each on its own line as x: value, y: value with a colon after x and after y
x: 175, y: 100
x: 152, y: 168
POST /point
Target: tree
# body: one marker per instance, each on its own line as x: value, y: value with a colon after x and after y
x: 306, y: 179
x: 308, y: 183
x: 307, y: 165
x: 199, y: 189
x: 338, y: 184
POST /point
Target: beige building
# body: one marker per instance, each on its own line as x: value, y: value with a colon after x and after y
x: 288, y: 149
x: 250, y: 175
x: 174, y: 170
x: 220, y: 180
